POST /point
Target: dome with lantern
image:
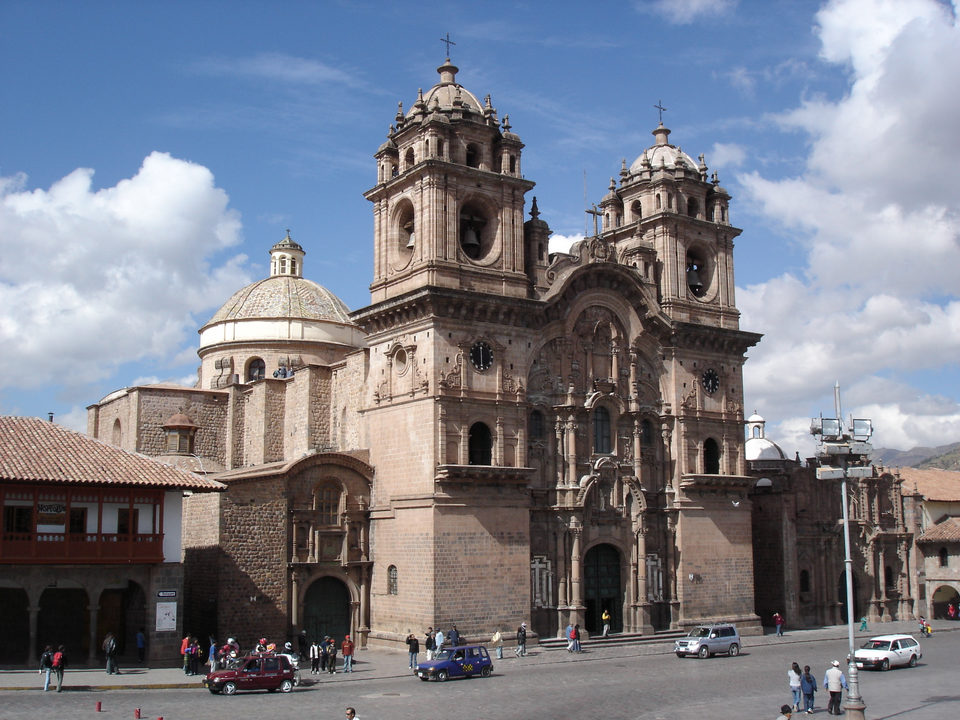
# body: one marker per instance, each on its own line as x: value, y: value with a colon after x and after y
x: 757, y: 446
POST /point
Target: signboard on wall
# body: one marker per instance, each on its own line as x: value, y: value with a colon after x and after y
x: 51, y: 513
x: 166, y: 616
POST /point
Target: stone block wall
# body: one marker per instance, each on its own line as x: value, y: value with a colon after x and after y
x: 254, y: 547
x: 347, y: 398
x: 717, y: 550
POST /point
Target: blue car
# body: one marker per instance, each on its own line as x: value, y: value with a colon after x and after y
x: 461, y: 661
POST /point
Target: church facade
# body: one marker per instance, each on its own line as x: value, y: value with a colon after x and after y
x: 502, y: 435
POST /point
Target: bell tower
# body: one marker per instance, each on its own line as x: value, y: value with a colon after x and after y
x: 448, y: 204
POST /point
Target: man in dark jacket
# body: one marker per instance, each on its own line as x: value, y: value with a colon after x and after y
x: 521, y: 640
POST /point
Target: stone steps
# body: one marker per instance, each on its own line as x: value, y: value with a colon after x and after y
x: 663, y: 636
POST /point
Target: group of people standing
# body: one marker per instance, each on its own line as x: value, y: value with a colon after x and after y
x: 323, y: 655
x: 803, y: 687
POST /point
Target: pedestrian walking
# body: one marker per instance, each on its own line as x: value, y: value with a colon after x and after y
x: 606, y: 622
x: 351, y: 714
x: 863, y: 624
x: 785, y: 713
x: 793, y: 678
x: 835, y: 683
x: 575, y: 636
x: 497, y: 641
x: 454, y: 637
x: 778, y: 621
x: 110, y: 650
x: 439, y: 641
x: 808, y: 686
x: 521, y: 648
x: 347, y: 649
x: 212, y: 654
x: 184, y: 644
x: 314, y: 658
x: 413, y: 649
x: 59, y: 664
x: 46, y: 666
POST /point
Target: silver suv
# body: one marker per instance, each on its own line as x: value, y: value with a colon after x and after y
x: 707, y: 640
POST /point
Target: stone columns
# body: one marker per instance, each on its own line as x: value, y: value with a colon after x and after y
x: 295, y: 600
x: 94, y: 611
x: 32, y: 659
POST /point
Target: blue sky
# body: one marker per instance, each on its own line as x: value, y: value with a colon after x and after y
x: 152, y: 152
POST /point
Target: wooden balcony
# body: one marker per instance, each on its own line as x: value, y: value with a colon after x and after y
x: 76, y: 548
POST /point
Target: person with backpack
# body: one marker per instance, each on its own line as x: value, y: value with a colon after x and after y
x: 110, y: 650
x: 59, y: 663
x: 46, y: 666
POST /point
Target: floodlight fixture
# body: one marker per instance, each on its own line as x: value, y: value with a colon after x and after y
x: 862, y: 429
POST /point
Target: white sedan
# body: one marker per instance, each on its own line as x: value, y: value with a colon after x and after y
x: 887, y: 651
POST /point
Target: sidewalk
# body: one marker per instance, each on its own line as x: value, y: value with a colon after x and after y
x: 375, y: 664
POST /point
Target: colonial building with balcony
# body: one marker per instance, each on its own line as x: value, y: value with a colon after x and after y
x: 90, y: 544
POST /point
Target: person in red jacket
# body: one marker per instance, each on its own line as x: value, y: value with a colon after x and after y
x: 347, y: 649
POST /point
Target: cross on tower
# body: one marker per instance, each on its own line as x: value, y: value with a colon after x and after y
x: 448, y: 42
x: 596, y: 213
x: 659, y: 106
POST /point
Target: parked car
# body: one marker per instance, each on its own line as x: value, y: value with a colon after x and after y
x: 256, y: 672
x: 887, y: 651
x: 706, y: 640
x: 461, y: 661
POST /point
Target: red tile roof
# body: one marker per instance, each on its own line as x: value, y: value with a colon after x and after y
x: 935, y: 485
x: 34, y: 450
x: 947, y: 530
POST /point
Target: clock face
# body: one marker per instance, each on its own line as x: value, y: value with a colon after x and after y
x: 710, y: 380
x: 481, y: 355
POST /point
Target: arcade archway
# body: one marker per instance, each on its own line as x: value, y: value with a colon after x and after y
x: 326, y: 609
x: 602, y: 588
x: 941, y: 599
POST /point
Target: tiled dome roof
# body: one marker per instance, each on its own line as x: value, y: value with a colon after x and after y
x: 283, y: 297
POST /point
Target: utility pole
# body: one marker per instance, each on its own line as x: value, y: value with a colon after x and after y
x: 843, y: 455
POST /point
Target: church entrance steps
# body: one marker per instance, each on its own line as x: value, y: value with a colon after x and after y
x: 664, y: 636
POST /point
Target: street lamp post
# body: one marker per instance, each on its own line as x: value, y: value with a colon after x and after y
x: 843, y: 455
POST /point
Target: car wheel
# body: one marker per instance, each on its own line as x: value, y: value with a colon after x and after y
x: 286, y: 686
x: 681, y: 655
x: 229, y: 688
x: 913, y: 661
x: 704, y: 652
x: 442, y: 675
x: 485, y: 672
x: 734, y: 650
x: 885, y: 665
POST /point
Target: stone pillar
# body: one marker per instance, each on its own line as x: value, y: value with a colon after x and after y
x: 645, y: 625
x: 295, y: 601
x: 561, y: 454
x: 364, y: 590
x: 571, y: 452
x: 94, y: 611
x: 32, y: 659
x: 576, y: 574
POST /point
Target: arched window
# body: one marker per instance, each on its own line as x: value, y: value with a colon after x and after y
x: 480, y: 445
x: 283, y: 264
x: 711, y: 457
x: 513, y: 164
x: 473, y: 155
x: 117, y: 433
x: 536, y: 425
x: 658, y: 201
x: 693, y: 207
x: 392, y: 580
x: 440, y: 148
x: 408, y: 159
x: 328, y: 504
x: 636, y: 210
x: 601, y: 430
x: 256, y: 370
x: 293, y: 266
x: 944, y: 557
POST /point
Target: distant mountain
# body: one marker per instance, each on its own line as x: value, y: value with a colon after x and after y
x: 945, y: 457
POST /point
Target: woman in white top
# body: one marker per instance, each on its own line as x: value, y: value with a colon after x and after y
x: 793, y: 675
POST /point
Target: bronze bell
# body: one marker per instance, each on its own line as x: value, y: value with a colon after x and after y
x: 693, y: 280
x: 471, y: 243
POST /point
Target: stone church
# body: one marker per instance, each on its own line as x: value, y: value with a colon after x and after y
x: 503, y: 434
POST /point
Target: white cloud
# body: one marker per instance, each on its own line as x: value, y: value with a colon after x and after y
x: 877, y: 214
x: 727, y: 155
x: 684, y: 12
x: 561, y: 243
x: 92, y: 279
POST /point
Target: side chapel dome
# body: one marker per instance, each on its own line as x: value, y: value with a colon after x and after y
x: 758, y: 447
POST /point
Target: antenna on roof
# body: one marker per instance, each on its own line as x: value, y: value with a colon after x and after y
x: 585, y: 201
x: 50, y: 416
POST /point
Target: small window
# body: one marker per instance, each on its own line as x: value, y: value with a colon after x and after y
x: 804, y: 581
x: 513, y: 164
x: 328, y: 505
x: 128, y: 521
x: 256, y: 370
x: 944, y: 557
x: 17, y: 519
x: 473, y: 155
x: 601, y: 430
x: 693, y: 207
x: 890, y: 579
x: 392, y: 580
x: 283, y: 265
x: 480, y: 445
x: 536, y: 425
x: 271, y: 664
x: 646, y: 433
x: 408, y: 159
x: 78, y: 520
